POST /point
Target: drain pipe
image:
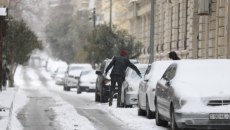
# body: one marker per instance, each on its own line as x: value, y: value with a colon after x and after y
x: 217, y: 29
x: 151, y: 56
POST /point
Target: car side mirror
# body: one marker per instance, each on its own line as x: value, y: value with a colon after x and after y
x: 98, y: 72
x: 168, y: 82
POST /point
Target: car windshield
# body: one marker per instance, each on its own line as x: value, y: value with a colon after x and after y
x: 61, y: 71
x: 86, y: 72
x: 134, y: 74
x: 76, y: 68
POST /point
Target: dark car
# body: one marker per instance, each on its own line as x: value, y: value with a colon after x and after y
x: 103, y: 82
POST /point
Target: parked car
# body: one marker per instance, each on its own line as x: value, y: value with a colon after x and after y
x: 53, y: 73
x: 130, y: 86
x: 72, y: 75
x: 103, y: 81
x: 87, y: 81
x: 147, y: 87
x: 59, y: 78
x: 194, y: 94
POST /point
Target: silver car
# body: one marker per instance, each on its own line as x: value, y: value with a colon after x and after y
x: 147, y: 87
x: 194, y: 94
x: 130, y: 86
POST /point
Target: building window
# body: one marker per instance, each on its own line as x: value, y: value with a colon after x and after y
x: 162, y: 47
x: 157, y: 48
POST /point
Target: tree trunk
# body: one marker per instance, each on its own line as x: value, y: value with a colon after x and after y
x: 11, y: 80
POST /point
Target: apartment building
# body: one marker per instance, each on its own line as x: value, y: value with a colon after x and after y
x: 181, y: 26
x: 119, y: 12
x: 4, y: 3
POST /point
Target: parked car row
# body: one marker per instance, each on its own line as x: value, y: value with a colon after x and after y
x: 186, y: 93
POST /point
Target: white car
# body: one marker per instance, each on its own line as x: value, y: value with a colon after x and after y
x: 147, y: 87
x: 59, y: 78
x: 194, y: 94
x: 72, y: 75
x: 87, y: 81
x: 130, y: 86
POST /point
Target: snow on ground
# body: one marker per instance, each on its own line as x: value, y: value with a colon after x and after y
x: 127, y: 115
x: 66, y: 115
x: 6, y: 98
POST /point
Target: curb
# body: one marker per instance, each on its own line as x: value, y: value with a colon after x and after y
x: 10, y: 110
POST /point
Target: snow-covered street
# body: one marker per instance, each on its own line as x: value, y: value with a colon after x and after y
x: 39, y: 104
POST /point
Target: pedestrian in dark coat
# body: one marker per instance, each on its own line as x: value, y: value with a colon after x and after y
x: 173, y: 55
x: 119, y: 64
x: 5, y: 75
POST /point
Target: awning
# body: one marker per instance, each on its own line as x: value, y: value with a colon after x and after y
x: 3, y: 12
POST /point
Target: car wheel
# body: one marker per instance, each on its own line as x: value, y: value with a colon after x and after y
x: 102, y: 97
x: 122, y: 105
x: 96, y: 96
x: 149, y: 113
x: 64, y: 88
x: 173, y: 122
x: 140, y: 111
x: 125, y: 104
x: 159, y: 122
x: 67, y: 88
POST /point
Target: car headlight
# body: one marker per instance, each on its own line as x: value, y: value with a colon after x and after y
x: 182, y: 102
x: 205, y: 101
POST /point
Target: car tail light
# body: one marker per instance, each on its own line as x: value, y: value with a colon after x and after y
x: 106, y: 81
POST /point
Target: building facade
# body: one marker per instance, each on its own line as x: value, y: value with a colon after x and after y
x: 139, y: 19
x: 119, y: 12
x: 4, y: 3
x: 180, y: 27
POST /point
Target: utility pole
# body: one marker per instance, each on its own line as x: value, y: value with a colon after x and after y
x: 151, y: 57
x: 110, y: 23
x: 1, y: 39
x: 94, y: 18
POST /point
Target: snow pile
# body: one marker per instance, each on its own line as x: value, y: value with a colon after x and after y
x: 130, y: 118
x: 19, y: 101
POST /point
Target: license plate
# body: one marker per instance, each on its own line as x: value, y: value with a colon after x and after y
x: 219, y: 116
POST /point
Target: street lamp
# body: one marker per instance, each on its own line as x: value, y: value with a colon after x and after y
x: 110, y: 23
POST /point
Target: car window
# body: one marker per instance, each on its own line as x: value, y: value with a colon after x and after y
x: 148, y: 70
x: 172, y: 72
x: 134, y: 74
x: 76, y: 68
x: 165, y: 75
x: 86, y: 72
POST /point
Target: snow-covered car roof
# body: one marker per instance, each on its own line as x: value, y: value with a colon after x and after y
x: 202, y: 76
x: 134, y: 61
x: 82, y: 65
x: 88, y: 76
x: 157, y: 70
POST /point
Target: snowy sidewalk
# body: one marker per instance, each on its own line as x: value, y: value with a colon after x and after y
x: 6, y: 101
